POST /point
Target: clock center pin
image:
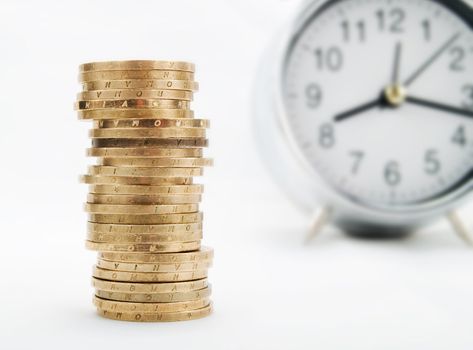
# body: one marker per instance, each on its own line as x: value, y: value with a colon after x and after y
x: 395, y: 95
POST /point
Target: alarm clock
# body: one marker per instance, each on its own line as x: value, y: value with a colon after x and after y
x: 364, y: 112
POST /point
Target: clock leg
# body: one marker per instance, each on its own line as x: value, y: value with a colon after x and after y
x: 460, y: 227
x: 320, y: 217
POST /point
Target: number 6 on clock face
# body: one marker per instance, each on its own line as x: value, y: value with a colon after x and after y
x: 378, y: 97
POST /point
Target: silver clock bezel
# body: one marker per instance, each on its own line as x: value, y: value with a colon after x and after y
x: 347, y: 209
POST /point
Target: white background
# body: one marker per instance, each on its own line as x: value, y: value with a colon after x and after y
x: 269, y: 290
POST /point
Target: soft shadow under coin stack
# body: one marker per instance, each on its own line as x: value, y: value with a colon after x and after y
x: 143, y: 205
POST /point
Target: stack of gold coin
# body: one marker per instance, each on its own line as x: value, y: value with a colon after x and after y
x: 143, y: 205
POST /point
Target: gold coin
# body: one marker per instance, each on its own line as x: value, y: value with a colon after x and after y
x: 132, y: 133
x: 123, y: 306
x: 151, y: 172
x: 145, y: 152
x: 133, y: 180
x: 137, y: 238
x: 132, y: 103
x: 135, y: 74
x: 151, y: 123
x: 146, y: 288
x: 169, y: 228
x: 158, y: 162
x: 135, y: 93
x: 155, y: 297
x: 144, y: 248
x: 205, y: 253
x: 187, y: 85
x: 144, y: 199
x: 124, y: 276
x: 140, y: 208
x: 145, y: 219
x: 166, y: 143
x: 99, y: 114
x: 137, y: 65
x: 156, y: 267
x: 157, y: 317
x: 142, y: 189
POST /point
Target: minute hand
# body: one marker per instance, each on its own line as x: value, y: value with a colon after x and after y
x: 439, y: 106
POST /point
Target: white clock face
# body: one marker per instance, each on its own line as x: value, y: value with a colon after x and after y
x: 379, y: 99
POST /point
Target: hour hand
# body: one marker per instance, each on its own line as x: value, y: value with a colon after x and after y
x: 358, y: 110
x: 439, y: 106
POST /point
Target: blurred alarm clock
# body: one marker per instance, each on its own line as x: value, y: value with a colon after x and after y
x: 370, y: 118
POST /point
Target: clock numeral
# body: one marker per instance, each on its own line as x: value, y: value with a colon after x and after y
x: 468, y: 90
x: 458, y: 56
x: 326, y: 136
x: 427, y: 29
x: 359, y: 28
x: 392, y: 174
x: 432, y: 163
x: 313, y: 94
x: 331, y: 59
x: 395, y: 17
x: 459, y: 137
x: 357, y: 159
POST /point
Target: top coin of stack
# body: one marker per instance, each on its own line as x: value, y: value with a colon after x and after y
x: 143, y: 205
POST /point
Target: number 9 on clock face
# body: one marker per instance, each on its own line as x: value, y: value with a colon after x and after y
x: 378, y: 97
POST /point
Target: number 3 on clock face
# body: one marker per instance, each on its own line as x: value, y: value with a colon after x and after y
x: 379, y: 98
